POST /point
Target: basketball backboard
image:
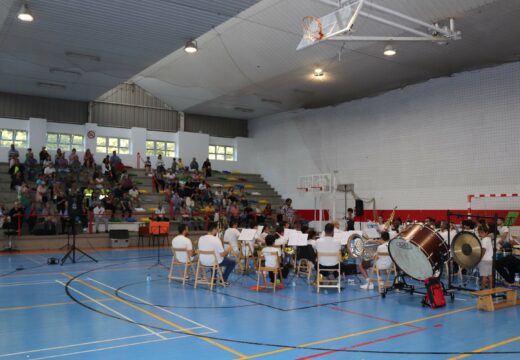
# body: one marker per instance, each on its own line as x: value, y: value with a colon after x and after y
x: 334, y: 23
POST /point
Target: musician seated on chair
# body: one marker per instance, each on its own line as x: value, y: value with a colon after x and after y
x: 182, y: 241
x: 231, y: 236
x: 270, y: 260
x: 328, y: 244
x: 210, y: 242
x: 383, y: 262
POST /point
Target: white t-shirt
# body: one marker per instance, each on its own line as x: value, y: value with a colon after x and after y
x: 502, y: 230
x: 99, y: 211
x: 328, y: 244
x: 181, y: 242
x: 488, y: 246
x: 160, y: 212
x: 444, y: 235
x: 270, y: 260
x: 231, y: 237
x: 281, y: 241
x: 383, y: 262
x: 210, y: 243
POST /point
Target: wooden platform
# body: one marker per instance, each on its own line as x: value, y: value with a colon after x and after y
x: 485, y: 299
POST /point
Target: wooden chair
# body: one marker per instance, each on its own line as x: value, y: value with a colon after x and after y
x: 245, y: 254
x: 304, y: 267
x: 381, y: 285
x: 143, y: 232
x: 262, y: 270
x: 326, y: 283
x: 200, y: 275
x: 185, y: 268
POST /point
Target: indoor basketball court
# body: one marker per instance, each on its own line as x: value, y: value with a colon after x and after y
x: 242, y: 179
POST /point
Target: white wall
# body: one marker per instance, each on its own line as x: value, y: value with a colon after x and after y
x: 422, y: 147
x: 188, y: 145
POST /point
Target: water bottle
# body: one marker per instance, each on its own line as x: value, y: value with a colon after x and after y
x: 517, y: 278
x: 148, y: 278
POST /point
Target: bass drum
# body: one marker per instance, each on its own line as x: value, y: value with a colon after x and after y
x: 418, y: 251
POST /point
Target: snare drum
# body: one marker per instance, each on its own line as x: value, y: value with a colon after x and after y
x: 418, y: 251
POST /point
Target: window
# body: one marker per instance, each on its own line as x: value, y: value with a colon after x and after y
x: 105, y: 145
x: 156, y: 147
x: 65, y: 142
x: 221, y: 152
x: 16, y: 137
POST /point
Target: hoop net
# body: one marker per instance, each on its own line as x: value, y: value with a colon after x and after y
x: 312, y: 28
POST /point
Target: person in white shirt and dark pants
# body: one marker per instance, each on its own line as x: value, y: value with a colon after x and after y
x: 211, y: 242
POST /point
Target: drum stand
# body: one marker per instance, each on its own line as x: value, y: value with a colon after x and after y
x: 399, y: 284
x: 71, y: 254
x: 462, y: 287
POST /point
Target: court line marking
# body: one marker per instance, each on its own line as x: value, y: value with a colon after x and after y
x: 85, y: 343
x: 47, y: 305
x: 358, y: 333
x: 486, y: 348
x: 155, y: 316
x: 369, y: 342
x: 144, y: 266
x: 150, y: 304
x: 34, y: 261
x: 113, y: 310
x: 111, y: 347
x: 46, y: 282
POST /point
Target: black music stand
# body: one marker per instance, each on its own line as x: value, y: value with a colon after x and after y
x: 158, y: 230
x: 71, y: 254
x: 450, y: 268
x: 10, y: 233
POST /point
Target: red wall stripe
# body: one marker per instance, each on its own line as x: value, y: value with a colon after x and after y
x: 413, y: 214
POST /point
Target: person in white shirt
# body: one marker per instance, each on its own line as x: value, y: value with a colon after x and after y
x: 211, y: 242
x: 231, y: 236
x: 485, y: 265
x: 281, y: 239
x: 443, y: 232
x: 328, y: 244
x: 272, y: 261
x: 384, y: 262
x: 503, y: 234
x: 160, y: 213
x: 99, y: 215
x: 182, y: 241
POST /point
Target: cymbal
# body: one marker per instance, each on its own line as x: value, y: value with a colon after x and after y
x: 466, y: 249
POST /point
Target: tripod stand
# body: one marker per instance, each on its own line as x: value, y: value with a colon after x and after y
x: 158, y: 231
x: 71, y: 254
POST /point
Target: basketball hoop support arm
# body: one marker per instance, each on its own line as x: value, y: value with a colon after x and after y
x: 429, y: 32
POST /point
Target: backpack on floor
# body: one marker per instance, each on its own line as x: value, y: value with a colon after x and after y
x: 434, y: 293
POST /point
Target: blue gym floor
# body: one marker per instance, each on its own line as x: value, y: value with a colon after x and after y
x: 108, y: 310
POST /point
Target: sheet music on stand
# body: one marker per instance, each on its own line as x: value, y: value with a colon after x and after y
x: 341, y: 236
x: 297, y: 238
x: 372, y: 233
x: 259, y: 231
x: 247, y: 235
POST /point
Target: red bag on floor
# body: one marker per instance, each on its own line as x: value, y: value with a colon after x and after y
x: 434, y: 293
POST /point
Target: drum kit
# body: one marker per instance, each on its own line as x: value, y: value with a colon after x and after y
x: 420, y: 252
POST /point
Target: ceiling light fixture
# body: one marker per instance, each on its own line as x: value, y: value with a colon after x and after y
x: 318, y: 72
x: 389, y: 51
x: 191, y: 47
x: 25, y: 14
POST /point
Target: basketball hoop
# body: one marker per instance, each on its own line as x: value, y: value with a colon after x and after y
x: 312, y: 28
x: 317, y: 188
x: 302, y: 189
